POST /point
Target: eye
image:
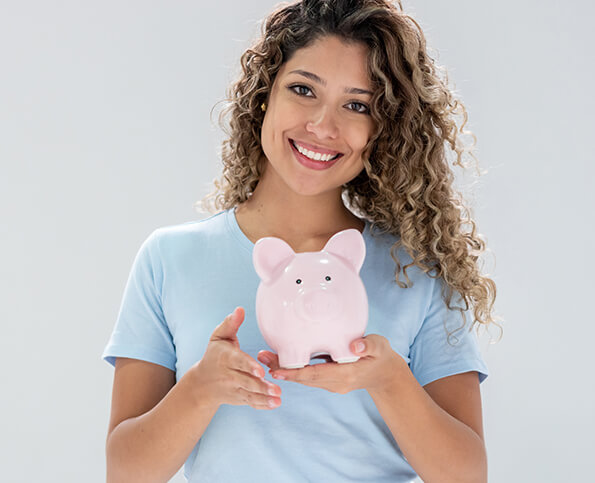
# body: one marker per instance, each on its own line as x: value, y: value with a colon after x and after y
x: 327, y: 278
x: 300, y: 90
x: 359, y: 107
x: 298, y: 281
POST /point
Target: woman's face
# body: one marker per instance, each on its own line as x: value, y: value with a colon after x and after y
x: 317, y: 120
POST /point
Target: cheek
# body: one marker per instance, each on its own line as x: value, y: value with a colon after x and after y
x: 359, y: 136
x: 287, y: 115
x: 265, y: 134
x: 278, y: 120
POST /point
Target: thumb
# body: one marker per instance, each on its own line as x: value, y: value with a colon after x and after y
x: 230, y: 325
x: 374, y: 345
x: 360, y: 347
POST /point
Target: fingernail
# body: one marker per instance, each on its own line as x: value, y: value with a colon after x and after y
x: 360, y: 346
x: 265, y: 359
x: 279, y: 376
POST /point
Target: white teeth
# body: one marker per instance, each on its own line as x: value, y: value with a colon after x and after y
x: 313, y: 155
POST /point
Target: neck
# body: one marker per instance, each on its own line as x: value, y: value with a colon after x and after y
x: 274, y: 211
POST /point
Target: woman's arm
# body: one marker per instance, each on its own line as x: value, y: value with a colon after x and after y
x: 438, y: 427
x: 154, y: 424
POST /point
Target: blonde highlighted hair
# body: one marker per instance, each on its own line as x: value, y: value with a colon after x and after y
x: 406, y: 186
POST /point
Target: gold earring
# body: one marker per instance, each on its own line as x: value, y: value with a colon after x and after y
x: 263, y: 106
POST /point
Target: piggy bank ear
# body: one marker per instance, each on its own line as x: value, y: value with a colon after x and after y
x: 270, y: 255
x: 348, y: 245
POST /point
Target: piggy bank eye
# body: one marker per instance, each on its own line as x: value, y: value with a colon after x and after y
x: 298, y: 281
x: 327, y: 278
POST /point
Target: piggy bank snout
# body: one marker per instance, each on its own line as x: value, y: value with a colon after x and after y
x: 317, y: 305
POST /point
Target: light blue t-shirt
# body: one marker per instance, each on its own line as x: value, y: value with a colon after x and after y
x: 187, y: 278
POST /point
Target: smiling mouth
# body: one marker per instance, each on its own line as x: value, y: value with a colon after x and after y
x: 314, y: 155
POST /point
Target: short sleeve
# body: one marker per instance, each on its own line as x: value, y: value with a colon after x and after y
x: 434, y: 354
x: 141, y: 331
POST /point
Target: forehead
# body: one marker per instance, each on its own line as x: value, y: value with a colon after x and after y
x: 337, y: 61
x: 314, y: 264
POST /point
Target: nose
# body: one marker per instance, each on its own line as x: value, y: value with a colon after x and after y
x: 323, y: 124
x: 317, y: 304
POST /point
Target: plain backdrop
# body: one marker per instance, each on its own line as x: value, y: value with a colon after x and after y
x: 105, y: 135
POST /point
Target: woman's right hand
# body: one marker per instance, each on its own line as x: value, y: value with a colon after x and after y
x: 227, y: 375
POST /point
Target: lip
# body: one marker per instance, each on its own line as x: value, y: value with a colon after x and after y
x: 310, y: 163
x: 316, y: 149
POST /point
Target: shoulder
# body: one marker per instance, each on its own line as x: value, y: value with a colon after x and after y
x: 180, y: 242
x: 382, y: 255
x: 190, y: 232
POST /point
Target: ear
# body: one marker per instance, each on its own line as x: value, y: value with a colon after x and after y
x: 348, y: 245
x: 269, y: 256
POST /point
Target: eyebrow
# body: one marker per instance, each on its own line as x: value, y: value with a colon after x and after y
x: 315, y: 78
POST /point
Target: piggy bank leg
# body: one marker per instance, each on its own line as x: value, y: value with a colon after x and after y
x: 343, y: 356
x: 293, y: 359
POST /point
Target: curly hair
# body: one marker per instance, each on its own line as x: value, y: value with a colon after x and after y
x: 406, y: 186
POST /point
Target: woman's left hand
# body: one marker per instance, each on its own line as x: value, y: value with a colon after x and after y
x: 376, y: 370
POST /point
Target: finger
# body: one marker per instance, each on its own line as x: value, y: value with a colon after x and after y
x: 230, y: 325
x: 257, y: 400
x: 257, y: 392
x: 331, y: 376
x: 255, y: 385
x: 316, y: 375
x: 269, y: 359
x: 360, y: 347
x: 373, y: 345
x: 242, y: 362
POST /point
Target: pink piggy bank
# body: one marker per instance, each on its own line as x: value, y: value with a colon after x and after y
x: 311, y: 303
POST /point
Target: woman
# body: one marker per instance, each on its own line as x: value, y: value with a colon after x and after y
x: 337, y: 98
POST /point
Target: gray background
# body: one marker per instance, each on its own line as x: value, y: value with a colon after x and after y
x: 105, y: 135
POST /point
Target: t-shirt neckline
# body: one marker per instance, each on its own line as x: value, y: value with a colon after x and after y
x: 245, y: 242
